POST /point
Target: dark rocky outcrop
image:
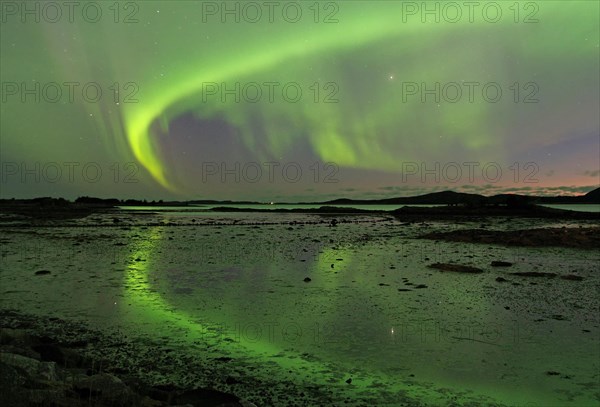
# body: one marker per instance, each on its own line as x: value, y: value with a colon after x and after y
x: 37, y: 370
x: 456, y: 268
x: 582, y: 238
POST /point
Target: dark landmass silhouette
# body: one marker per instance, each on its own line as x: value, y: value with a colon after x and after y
x: 452, y: 204
x: 451, y: 197
x: 442, y: 198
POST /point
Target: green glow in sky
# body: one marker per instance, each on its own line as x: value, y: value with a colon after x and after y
x: 369, y: 55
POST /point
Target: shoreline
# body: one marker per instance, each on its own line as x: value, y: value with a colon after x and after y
x: 50, y: 361
x: 38, y: 213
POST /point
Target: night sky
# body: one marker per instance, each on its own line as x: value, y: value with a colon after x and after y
x: 365, y: 125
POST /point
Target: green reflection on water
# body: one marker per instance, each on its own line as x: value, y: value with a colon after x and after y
x: 156, y: 314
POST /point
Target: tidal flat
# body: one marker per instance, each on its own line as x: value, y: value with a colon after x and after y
x: 299, y: 309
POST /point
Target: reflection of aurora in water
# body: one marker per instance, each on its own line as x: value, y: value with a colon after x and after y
x: 158, y: 313
x: 155, y: 308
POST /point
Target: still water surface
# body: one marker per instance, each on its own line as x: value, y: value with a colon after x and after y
x: 372, y: 310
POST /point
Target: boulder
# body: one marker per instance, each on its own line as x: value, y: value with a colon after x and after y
x: 42, y: 272
x: 105, y: 386
x: 457, y: 268
x: 533, y: 274
x: 498, y: 263
x: 34, y: 369
x: 207, y: 397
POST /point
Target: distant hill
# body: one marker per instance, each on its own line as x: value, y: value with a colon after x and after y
x: 435, y: 198
x: 454, y: 198
x: 592, y: 196
x: 442, y: 198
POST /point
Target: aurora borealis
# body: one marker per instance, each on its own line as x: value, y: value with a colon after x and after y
x: 170, y: 73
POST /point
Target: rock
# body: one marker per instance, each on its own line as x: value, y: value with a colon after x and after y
x: 162, y: 392
x: 404, y: 289
x: 28, y: 365
x: 47, y: 371
x: 45, y: 397
x: 501, y: 279
x: 13, y: 383
x: 34, y: 369
x: 421, y: 286
x: 42, y: 272
x: 14, y: 336
x: 533, y: 274
x: 105, y: 386
x: 50, y: 353
x: 64, y: 357
x: 24, y: 351
x: 11, y: 377
x: 552, y: 373
x: 207, y: 397
x: 458, y: 268
x: 497, y: 263
x: 581, y: 238
x: 307, y: 279
x: 572, y: 277
x: 223, y: 359
x: 349, y: 380
x: 232, y: 380
x: 148, y: 402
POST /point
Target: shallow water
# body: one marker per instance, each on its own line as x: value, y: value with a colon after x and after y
x: 200, y: 208
x: 576, y: 207
x: 387, y: 207
x: 238, y: 290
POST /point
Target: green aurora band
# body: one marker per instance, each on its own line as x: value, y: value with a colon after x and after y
x: 171, y: 54
x: 361, y: 144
